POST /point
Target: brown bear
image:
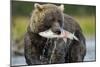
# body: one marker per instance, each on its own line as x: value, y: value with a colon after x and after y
x: 40, y: 50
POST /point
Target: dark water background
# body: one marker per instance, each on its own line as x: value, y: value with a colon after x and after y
x: 90, y: 55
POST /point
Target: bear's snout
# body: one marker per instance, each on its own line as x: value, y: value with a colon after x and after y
x: 56, y: 28
x: 57, y: 31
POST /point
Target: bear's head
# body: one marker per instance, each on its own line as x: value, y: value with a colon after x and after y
x: 47, y: 16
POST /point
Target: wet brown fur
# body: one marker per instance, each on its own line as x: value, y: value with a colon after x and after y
x: 42, y: 20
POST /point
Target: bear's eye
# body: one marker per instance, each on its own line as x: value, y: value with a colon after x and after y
x: 59, y: 21
x: 53, y: 19
x: 47, y: 26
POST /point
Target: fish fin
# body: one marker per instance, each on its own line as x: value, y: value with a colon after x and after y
x: 74, y: 37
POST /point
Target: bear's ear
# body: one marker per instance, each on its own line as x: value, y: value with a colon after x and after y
x: 38, y: 6
x: 61, y: 7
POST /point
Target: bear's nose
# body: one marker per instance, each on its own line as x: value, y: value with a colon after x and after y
x: 56, y: 28
x: 57, y: 32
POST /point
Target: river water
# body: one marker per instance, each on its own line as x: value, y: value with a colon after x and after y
x: 90, y: 55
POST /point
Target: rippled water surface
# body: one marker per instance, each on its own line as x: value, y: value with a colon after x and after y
x: 90, y: 55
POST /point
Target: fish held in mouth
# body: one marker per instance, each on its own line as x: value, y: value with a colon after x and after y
x: 64, y: 35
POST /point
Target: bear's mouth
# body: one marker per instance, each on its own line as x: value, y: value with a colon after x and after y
x: 64, y: 35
